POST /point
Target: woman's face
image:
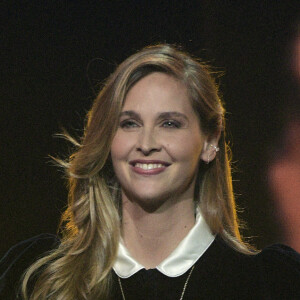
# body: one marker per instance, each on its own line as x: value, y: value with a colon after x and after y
x: 158, y: 144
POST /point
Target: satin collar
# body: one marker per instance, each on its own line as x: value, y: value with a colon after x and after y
x: 189, y: 250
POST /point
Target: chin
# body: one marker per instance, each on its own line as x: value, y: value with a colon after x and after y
x: 149, y: 201
x: 150, y: 205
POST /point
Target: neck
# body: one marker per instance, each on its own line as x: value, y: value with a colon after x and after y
x: 150, y: 237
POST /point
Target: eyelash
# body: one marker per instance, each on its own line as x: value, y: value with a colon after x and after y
x: 171, y: 124
x: 128, y: 124
x: 166, y: 124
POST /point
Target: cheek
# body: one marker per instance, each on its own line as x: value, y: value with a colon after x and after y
x: 121, y: 145
x: 185, y: 148
x: 116, y: 146
x: 117, y: 152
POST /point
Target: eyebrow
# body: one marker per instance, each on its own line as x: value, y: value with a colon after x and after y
x: 172, y: 114
x: 130, y: 113
x: 163, y: 115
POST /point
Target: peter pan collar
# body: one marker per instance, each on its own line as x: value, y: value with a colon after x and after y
x: 189, y: 250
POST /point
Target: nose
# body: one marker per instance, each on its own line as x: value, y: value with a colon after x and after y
x: 148, y: 142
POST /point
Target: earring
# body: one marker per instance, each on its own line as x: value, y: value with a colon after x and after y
x: 216, y: 149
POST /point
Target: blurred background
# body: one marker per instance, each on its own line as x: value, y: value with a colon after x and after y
x: 55, y: 54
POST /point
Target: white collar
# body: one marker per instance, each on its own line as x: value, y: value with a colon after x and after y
x: 189, y: 250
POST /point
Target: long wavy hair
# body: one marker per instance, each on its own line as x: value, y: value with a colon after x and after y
x: 80, y: 268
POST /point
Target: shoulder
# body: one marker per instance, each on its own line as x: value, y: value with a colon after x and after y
x: 19, y: 257
x: 280, y: 267
x: 273, y: 273
x: 27, y: 250
x: 272, y: 256
x: 279, y: 253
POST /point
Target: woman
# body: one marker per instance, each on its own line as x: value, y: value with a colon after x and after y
x: 151, y: 211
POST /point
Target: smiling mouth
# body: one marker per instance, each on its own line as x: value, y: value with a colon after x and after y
x: 149, y: 167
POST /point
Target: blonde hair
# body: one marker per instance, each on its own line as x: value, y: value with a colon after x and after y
x: 81, y: 266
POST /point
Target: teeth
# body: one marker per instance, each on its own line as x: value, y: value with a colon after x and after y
x: 148, y: 166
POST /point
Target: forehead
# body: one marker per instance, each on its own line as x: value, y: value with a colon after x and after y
x: 158, y: 91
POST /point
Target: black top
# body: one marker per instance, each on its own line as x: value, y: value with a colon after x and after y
x: 220, y: 273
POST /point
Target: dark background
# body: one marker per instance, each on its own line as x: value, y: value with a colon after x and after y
x: 53, y: 54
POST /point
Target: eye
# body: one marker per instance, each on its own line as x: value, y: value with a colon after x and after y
x: 128, y: 124
x: 171, y: 124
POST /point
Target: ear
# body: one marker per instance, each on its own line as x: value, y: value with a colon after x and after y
x: 210, y: 148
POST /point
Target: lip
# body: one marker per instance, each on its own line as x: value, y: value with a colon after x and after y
x: 151, y: 171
